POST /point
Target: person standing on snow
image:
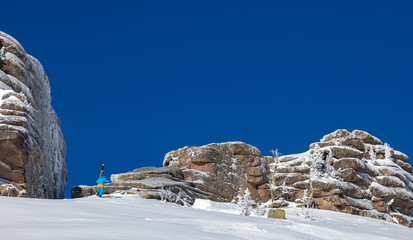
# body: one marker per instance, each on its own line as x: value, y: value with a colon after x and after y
x: 100, y: 186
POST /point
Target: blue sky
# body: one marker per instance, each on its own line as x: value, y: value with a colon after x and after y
x: 132, y: 80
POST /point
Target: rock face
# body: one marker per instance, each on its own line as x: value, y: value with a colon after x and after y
x: 348, y: 172
x: 215, y: 171
x: 226, y: 167
x: 165, y: 183
x: 32, y: 148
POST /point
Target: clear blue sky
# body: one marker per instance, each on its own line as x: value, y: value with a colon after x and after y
x: 132, y: 80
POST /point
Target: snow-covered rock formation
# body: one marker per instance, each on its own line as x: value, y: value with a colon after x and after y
x: 348, y: 172
x: 345, y: 172
x: 215, y: 171
x: 32, y: 148
x: 165, y: 183
x: 224, y: 169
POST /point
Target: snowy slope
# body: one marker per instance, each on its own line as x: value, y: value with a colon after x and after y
x: 137, y: 218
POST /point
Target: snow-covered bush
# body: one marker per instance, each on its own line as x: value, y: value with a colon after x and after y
x: 167, y: 195
x: 307, y: 206
x: 260, y: 209
x: 387, y: 151
x: 373, y: 155
x: 182, y: 198
x: 318, y: 166
x: 336, y: 174
x: 388, y: 205
x: 276, y: 154
x: 245, y: 203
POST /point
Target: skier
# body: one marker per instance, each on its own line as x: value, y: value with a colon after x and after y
x: 100, y: 182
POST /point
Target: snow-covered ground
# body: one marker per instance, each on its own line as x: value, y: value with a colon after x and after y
x: 137, y: 218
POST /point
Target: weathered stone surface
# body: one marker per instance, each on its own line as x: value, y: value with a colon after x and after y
x: 284, y: 192
x: 82, y: 191
x: 390, y: 181
x: 346, y: 152
x: 264, y: 193
x: 405, y: 166
x: 301, y: 169
x: 32, y: 148
x: 279, y: 178
x: 149, y: 172
x: 287, y: 158
x: 350, y: 173
x: 338, y: 134
x: 11, y: 189
x: 403, y: 220
x: 354, y: 142
x: 228, y: 164
x: 332, y: 202
x: 322, y: 144
x: 295, y: 177
x: 353, y: 163
x: 278, y: 204
x: 366, y: 137
x: 401, y: 156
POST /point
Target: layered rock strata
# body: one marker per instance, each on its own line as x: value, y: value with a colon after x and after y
x: 224, y: 169
x: 215, y: 171
x: 351, y: 172
x: 165, y: 183
x: 32, y: 148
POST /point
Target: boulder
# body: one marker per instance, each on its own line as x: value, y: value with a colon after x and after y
x: 405, y: 166
x: 322, y: 144
x: 353, y: 163
x: 276, y: 213
x: 346, y: 152
x: 403, y: 219
x: 10, y: 189
x: 279, y: 178
x: 278, y: 204
x: 354, y: 142
x: 332, y: 203
x: 350, y: 175
x: 82, y: 191
x: 32, y: 147
x: 301, y: 169
x: 285, y: 192
x: 295, y: 177
x: 401, y: 156
x: 390, y: 181
x: 338, y: 134
x: 287, y: 158
x: 366, y: 137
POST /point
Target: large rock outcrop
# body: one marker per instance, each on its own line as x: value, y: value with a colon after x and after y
x: 227, y: 168
x: 165, y: 183
x: 216, y: 171
x: 32, y: 148
x: 351, y: 172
